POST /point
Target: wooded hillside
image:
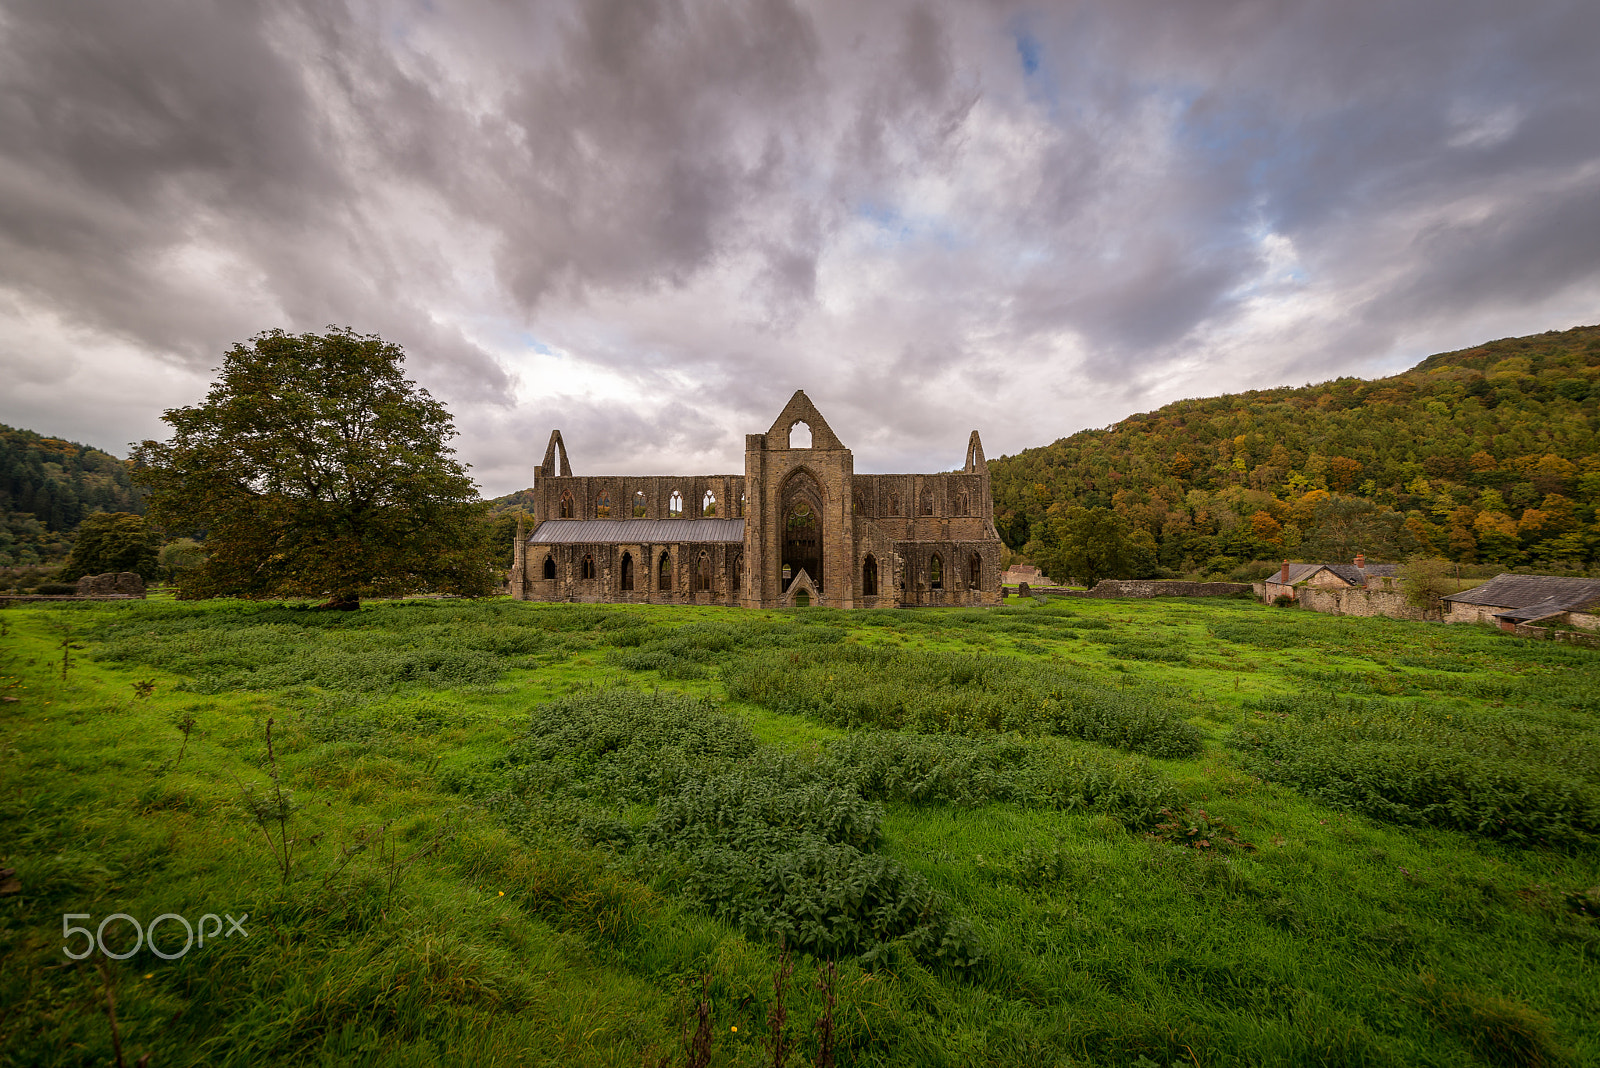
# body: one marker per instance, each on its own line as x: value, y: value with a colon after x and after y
x: 1483, y: 455
x: 47, y: 486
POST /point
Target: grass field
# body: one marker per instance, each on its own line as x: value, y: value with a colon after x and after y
x: 1077, y: 833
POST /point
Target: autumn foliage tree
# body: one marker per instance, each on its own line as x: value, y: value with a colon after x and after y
x: 314, y: 467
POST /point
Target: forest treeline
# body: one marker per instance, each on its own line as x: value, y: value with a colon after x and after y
x: 1486, y: 455
x: 47, y: 487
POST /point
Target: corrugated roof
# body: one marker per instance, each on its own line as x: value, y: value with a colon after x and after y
x: 1522, y: 591
x: 637, y: 531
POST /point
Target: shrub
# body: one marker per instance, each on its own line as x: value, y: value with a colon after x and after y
x: 854, y: 687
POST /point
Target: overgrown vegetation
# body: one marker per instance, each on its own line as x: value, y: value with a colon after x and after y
x: 558, y: 829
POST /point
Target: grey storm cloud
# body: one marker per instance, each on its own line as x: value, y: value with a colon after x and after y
x: 648, y: 221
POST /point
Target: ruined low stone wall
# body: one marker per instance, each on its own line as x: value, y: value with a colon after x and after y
x: 1142, y: 588
x: 1571, y: 637
x: 126, y: 583
x: 1358, y: 602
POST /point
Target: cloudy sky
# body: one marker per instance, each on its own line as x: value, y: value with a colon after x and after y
x: 647, y: 222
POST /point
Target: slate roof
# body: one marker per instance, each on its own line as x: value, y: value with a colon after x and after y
x: 1526, y: 591
x: 1349, y: 572
x: 637, y: 531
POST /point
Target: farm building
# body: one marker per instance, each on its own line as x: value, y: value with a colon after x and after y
x: 798, y: 527
x: 1508, y: 600
x: 1359, y: 575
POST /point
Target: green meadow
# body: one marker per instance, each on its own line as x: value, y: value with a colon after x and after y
x: 1081, y: 832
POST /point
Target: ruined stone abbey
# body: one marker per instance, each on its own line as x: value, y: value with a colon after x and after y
x: 799, y: 527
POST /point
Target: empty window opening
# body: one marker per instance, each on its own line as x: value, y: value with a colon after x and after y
x: 936, y: 573
x: 566, y: 504
x: 962, y: 505
x: 638, y: 504
x: 927, y: 502
x: 664, y: 573
x: 627, y: 571
x: 675, y: 505
x: 738, y: 572
x: 975, y: 572
x: 602, y: 507
x: 869, y: 577
x: 586, y: 569
x: 708, y: 504
x: 549, y: 567
x: 702, y: 572
x: 739, y: 514
x: 800, y: 435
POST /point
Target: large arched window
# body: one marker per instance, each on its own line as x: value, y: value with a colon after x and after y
x: 975, y: 572
x: 566, y: 504
x: 549, y: 566
x: 702, y: 572
x: 800, y: 435
x: 664, y: 572
x: 586, y: 569
x: 936, y: 573
x: 708, y: 504
x: 802, y: 526
x: 602, y: 507
x: 675, y: 505
x: 627, y: 571
x: 738, y: 572
x: 869, y: 577
x: 638, y: 504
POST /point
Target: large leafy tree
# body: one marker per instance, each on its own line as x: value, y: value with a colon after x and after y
x: 112, y: 541
x: 315, y: 467
x: 1090, y: 544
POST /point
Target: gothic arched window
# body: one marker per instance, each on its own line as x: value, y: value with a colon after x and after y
x: 566, y: 504
x: 975, y: 572
x: 708, y: 504
x: 586, y: 570
x: 675, y: 505
x: 664, y: 573
x: 869, y: 577
x: 549, y: 566
x: 702, y: 572
x: 936, y: 573
x: 638, y: 504
x: 602, y: 507
x: 627, y: 571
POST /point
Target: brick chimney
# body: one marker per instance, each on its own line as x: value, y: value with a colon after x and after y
x: 1361, y: 561
x: 1283, y: 576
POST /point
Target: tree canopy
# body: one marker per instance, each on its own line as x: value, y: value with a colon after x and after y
x: 112, y: 541
x: 315, y: 467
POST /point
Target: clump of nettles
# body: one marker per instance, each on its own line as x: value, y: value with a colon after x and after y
x: 767, y: 841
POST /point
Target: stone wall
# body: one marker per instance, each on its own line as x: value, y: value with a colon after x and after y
x: 1141, y: 588
x: 1358, y: 602
x: 123, y: 583
x: 1571, y: 637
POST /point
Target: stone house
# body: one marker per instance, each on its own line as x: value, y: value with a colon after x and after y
x: 1509, y: 600
x: 798, y: 527
x: 1358, y: 575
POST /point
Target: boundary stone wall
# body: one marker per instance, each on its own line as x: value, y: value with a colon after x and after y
x: 1570, y: 637
x: 1145, y: 588
x: 1358, y: 602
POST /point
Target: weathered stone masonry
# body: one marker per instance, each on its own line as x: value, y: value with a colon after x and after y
x: 798, y: 527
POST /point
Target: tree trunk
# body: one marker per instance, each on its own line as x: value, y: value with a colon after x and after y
x: 343, y: 601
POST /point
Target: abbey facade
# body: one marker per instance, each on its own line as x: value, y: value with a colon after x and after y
x: 799, y: 527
